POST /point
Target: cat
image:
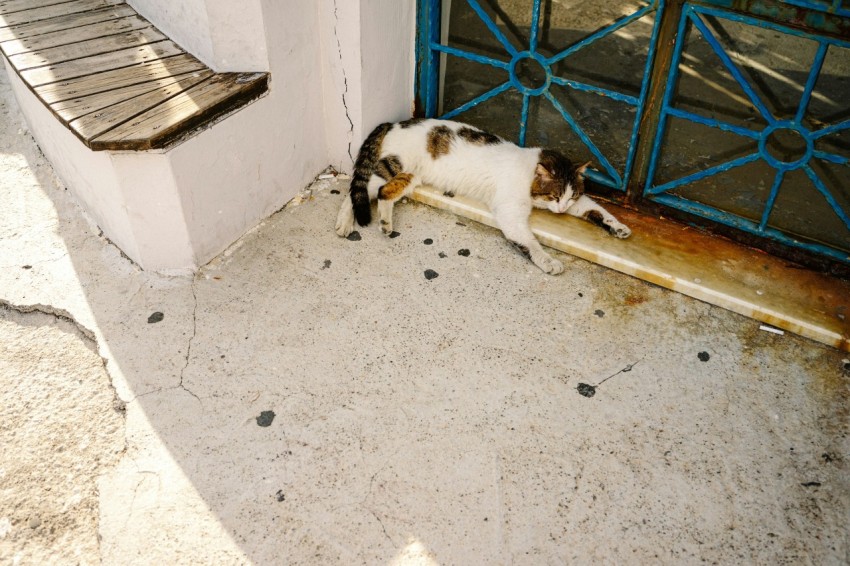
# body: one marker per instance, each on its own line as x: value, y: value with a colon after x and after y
x: 460, y: 159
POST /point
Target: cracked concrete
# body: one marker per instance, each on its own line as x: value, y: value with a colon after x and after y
x: 415, y: 421
x: 344, y: 81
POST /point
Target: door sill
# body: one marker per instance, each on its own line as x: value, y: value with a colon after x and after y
x: 697, y: 264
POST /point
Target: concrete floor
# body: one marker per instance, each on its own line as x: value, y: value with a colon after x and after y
x: 306, y: 399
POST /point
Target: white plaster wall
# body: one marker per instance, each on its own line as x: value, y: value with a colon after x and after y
x: 184, y: 21
x: 227, y: 36
x: 387, y: 35
x: 88, y: 175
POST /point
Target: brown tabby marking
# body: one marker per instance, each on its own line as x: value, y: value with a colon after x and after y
x: 395, y: 187
x: 388, y: 167
x: 410, y: 122
x: 478, y: 137
x: 440, y: 141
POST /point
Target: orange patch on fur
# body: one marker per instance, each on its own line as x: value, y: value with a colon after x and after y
x: 395, y: 187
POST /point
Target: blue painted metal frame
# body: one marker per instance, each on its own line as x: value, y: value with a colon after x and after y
x: 430, y: 48
x: 831, y: 6
x: 692, y: 16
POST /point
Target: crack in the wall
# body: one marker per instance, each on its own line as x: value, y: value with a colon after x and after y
x: 345, y: 83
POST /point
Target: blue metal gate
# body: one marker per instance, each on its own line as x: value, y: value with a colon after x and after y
x: 731, y: 111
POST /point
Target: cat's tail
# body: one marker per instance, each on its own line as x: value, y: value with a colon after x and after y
x: 364, y: 167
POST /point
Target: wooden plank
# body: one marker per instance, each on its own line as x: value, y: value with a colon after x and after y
x: 92, y: 125
x: 52, y: 11
x: 70, y: 110
x: 65, y: 22
x: 102, y: 82
x: 77, y: 34
x: 9, y: 6
x: 165, y: 123
x: 101, y: 63
x: 83, y: 49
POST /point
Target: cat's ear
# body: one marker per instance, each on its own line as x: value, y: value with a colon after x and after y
x: 581, y: 169
x: 542, y: 173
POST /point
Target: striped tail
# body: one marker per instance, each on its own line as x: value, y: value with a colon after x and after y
x: 364, y: 167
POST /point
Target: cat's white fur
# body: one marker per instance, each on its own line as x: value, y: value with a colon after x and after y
x: 500, y: 175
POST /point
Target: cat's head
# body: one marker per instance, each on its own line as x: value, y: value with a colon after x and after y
x: 557, y: 182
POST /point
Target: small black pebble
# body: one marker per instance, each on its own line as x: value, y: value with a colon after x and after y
x: 811, y: 484
x: 395, y: 234
x: 327, y: 264
x: 155, y: 317
x: 442, y: 255
x: 599, y: 313
x: 586, y: 390
x: 280, y: 495
x: 354, y: 237
x: 427, y: 241
x: 449, y: 194
x: 464, y: 252
x: 334, y: 192
x: 430, y: 274
x: 265, y: 418
x: 30, y: 267
x: 827, y: 457
x: 581, y: 294
x: 703, y: 356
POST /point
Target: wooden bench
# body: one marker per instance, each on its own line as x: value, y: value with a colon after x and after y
x: 111, y: 77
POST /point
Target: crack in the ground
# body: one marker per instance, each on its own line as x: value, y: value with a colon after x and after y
x: 345, y: 82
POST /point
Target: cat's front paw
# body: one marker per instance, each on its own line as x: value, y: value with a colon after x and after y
x: 620, y: 231
x: 550, y: 265
x: 386, y: 227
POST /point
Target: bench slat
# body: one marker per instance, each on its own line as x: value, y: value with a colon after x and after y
x: 82, y: 49
x: 94, y: 124
x: 75, y: 35
x: 52, y: 11
x: 101, y: 63
x: 160, y: 125
x: 101, y: 82
x: 65, y: 22
x: 9, y: 6
x: 70, y: 110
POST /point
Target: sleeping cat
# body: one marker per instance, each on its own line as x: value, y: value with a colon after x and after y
x: 461, y: 159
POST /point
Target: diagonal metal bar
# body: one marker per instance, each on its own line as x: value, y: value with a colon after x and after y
x: 491, y: 25
x: 523, y: 124
x: 831, y: 129
x: 535, y: 24
x: 471, y: 56
x: 602, y: 32
x: 814, y: 73
x: 771, y: 199
x: 827, y: 195
x: 685, y: 115
x: 612, y: 94
x: 704, y: 173
x: 832, y: 158
x: 732, y: 67
x: 584, y: 138
x: 477, y: 100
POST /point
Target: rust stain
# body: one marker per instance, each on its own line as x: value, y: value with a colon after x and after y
x: 633, y: 300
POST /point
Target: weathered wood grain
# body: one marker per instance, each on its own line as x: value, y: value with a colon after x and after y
x: 70, y: 110
x: 101, y: 63
x: 160, y: 125
x: 83, y: 49
x: 96, y: 123
x: 9, y: 6
x: 65, y: 22
x: 102, y: 82
x: 73, y: 35
x: 53, y: 10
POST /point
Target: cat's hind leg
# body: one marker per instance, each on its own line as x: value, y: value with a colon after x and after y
x: 587, y: 209
x: 514, y: 225
x: 400, y: 185
x: 345, y: 218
